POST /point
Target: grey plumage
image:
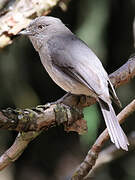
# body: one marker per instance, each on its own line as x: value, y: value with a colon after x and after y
x: 75, y: 68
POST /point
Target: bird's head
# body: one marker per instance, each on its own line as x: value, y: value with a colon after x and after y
x: 42, y: 26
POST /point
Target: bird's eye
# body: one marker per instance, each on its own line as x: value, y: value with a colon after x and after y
x: 40, y: 26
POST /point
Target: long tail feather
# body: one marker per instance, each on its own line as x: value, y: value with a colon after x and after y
x: 115, y: 131
x: 113, y: 94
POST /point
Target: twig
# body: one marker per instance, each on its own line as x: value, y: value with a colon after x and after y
x: 109, y: 154
x: 21, y: 142
x: 90, y: 160
x: 124, y: 73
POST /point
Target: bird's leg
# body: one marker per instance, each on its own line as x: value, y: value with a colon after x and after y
x: 47, y: 105
x: 62, y: 98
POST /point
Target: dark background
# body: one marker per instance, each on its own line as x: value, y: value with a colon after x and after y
x: 106, y: 26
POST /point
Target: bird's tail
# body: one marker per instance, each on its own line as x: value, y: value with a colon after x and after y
x: 115, y: 131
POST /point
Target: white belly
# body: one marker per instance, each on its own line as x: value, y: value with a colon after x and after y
x: 63, y: 80
x: 68, y: 84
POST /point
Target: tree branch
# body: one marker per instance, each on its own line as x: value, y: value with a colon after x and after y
x: 19, y: 145
x: 90, y: 160
x: 19, y: 15
x: 34, y: 121
x: 124, y: 74
x: 41, y: 118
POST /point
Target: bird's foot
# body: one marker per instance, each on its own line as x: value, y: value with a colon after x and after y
x: 61, y: 100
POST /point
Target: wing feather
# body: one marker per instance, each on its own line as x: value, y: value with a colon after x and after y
x: 75, y: 59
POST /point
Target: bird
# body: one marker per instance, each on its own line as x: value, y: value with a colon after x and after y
x: 74, y: 67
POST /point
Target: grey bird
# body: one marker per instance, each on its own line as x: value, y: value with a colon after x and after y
x: 75, y: 68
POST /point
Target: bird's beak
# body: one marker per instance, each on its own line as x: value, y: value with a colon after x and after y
x: 24, y: 32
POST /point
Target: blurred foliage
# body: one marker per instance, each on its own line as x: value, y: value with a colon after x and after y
x: 91, y: 24
x: 92, y: 117
x: 106, y: 26
x: 16, y: 88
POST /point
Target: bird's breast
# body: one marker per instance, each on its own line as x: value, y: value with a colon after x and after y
x: 66, y: 82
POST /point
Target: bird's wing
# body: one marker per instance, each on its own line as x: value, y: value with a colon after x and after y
x: 75, y: 59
